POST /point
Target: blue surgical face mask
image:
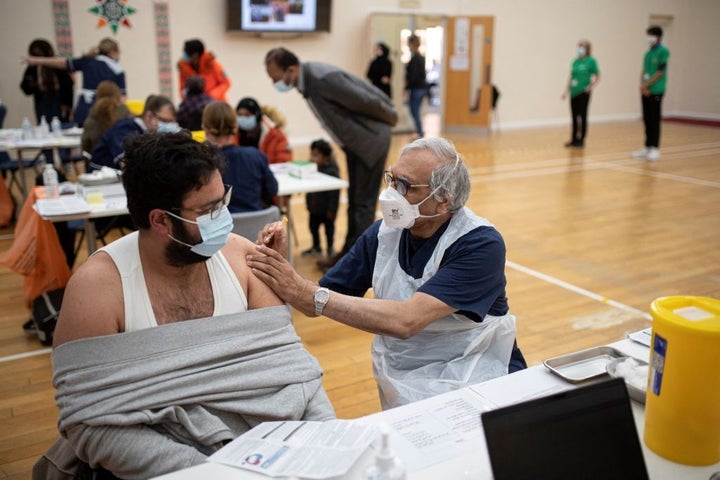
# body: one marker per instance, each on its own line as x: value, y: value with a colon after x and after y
x: 213, y: 231
x: 246, y: 123
x: 581, y: 51
x: 168, y: 127
x: 281, y: 86
x: 185, y: 57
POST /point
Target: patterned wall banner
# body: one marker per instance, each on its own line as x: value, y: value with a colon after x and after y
x: 162, y: 40
x: 63, y: 33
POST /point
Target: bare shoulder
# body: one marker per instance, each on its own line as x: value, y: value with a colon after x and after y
x: 93, y: 302
x: 258, y: 294
x: 235, y: 251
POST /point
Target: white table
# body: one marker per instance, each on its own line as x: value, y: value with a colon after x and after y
x: 287, y: 185
x: 10, y: 139
x: 471, y: 460
x: 116, y: 202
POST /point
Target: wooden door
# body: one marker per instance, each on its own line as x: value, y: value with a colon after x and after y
x: 468, y: 73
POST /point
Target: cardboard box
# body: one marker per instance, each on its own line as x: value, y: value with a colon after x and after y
x: 302, y: 169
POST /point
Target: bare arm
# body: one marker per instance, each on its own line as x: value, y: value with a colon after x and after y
x: 593, y: 82
x: 258, y: 294
x: 645, y: 86
x: 54, y: 62
x: 93, y: 302
x: 394, y: 318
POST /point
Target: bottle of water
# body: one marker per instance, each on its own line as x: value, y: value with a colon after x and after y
x: 50, y: 180
x: 27, y: 129
x: 44, y: 128
x: 56, y: 127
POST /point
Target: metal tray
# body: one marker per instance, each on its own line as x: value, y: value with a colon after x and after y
x: 584, y: 365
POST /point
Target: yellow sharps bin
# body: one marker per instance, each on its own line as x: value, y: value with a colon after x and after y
x: 682, y: 409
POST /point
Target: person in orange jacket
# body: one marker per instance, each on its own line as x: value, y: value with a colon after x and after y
x: 196, y: 61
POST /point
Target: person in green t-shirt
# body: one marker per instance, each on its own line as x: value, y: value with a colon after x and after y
x: 584, y: 76
x: 652, y: 88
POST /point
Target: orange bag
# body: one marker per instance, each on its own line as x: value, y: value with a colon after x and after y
x: 6, y: 205
x: 36, y: 253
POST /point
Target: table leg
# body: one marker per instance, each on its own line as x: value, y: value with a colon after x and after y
x: 90, y: 236
x: 21, y: 174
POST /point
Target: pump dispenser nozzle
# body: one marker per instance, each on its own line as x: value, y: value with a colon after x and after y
x: 387, y: 465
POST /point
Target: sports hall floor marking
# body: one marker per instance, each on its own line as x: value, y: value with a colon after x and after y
x: 574, y: 288
x: 25, y: 355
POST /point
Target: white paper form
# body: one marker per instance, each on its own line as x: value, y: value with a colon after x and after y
x: 434, y: 430
x: 301, y: 449
x: 520, y: 386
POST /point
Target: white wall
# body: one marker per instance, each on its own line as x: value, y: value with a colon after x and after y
x: 534, y: 44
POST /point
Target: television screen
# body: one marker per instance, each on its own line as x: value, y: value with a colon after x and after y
x: 278, y: 15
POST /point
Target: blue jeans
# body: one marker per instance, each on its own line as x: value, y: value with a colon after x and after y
x: 416, y: 98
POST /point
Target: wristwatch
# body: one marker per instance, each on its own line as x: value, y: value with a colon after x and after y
x: 321, y: 297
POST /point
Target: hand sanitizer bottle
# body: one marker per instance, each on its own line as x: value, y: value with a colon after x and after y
x: 387, y: 466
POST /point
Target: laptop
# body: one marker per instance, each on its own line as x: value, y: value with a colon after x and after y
x: 586, y: 433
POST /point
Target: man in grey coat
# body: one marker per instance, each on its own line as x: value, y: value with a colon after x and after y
x: 357, y: 115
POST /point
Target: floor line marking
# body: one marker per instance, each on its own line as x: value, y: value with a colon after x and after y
x: 574, y: 288
x: 18, y: 356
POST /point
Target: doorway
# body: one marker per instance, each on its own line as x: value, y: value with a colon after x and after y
x: 393, y: 30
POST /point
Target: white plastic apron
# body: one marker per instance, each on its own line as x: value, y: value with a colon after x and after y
x: 451, y: 352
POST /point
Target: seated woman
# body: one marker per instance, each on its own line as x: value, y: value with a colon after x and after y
x: 247, y: 170
x: 257, y: 129
x: 107, y: 109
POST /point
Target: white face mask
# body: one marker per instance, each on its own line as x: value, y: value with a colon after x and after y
x: 397, y: 212
x: 214, y: 232
x: 652, y: 40
x: 581, y: 51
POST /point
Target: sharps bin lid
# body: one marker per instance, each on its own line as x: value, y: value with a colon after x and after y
x: 701, y: 313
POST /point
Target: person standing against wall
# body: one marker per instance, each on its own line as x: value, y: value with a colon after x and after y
x: 584, y: 76
x: 415, y: 82
x: 653, y: 80
x: 380, y: 70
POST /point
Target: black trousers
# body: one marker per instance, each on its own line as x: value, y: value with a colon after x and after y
x: 652, y: 112
x: 363, y: 190
x: 578, y: 111
x: 317, y: 219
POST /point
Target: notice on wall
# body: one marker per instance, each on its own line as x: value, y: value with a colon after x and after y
x: 459, y: 60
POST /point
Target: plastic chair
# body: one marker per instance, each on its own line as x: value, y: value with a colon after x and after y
x: 198, y: 135
x: 135, y: 106
x: 248, y: 224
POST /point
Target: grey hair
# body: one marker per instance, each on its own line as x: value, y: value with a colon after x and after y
x: 452, y: 181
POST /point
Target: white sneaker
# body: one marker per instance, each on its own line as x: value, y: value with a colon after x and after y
x: 653, y: 154
x: 641, y: 153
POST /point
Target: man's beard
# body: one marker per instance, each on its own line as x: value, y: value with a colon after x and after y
x: 179, y: 255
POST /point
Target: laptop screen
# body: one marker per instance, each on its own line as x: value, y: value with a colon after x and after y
x: 587, y: 433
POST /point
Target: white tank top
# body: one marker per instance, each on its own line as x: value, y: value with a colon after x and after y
x: 228, y: 294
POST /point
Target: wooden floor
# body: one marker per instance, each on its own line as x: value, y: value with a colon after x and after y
x: 593, y: 237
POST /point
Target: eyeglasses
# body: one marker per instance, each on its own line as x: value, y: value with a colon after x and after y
x: 402, y: 186
x: 215, y: 209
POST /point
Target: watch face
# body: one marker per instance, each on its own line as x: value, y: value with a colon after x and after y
x: 322, y: 295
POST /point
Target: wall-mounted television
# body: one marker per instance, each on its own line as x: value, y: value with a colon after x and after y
x: 279, y: 16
